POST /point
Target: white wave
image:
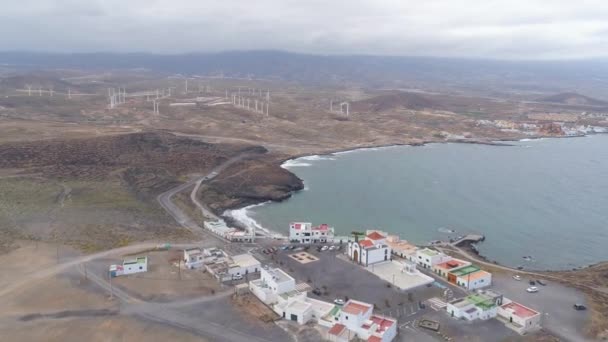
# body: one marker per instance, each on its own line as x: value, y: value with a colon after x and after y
x: 364, y: 149
x: 316, y: 157
x: 294, y: 163
x: 243, y: 216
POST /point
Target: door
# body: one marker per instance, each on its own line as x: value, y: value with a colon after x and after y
x: 356, y: 255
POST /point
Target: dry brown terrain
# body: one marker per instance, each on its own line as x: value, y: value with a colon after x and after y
x: 64, y: 308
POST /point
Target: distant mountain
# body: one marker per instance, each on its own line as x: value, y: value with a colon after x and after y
x: 373, y: 71
x: 392, y: 101
x: 574, y: 99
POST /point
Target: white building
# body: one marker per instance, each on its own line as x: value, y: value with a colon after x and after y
x: 476, y: 280
x: 402, y: 248
x: 428, y: 258
x: 359, y: 319
x: 444, y: 268
x: 225, y: 267
x: 193, y: 258
x: 131, y: 266
x: 370, y: 250
x: 272, y: 283
x: 519, y: 317
x: 469, y: 277
x: 221, y: 229
x: 304, y: 232
x: 483, y: 305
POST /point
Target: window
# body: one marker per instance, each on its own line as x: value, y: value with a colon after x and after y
x: 141, y: 268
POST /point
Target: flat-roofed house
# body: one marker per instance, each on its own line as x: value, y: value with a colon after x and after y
x: 193, y: 258
x: 470, y: 277
x: 272, y: 283
x: 130, y: 266
x: 428, y: 258
x: 358, y: 317
x: 478, y: 306
x: 305, y: 233
x: 444, y: 268
x: 402, y: 248
x: 519, y: 317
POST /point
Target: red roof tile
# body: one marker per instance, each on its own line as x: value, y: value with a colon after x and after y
x: 366, y: 243
x: 355, y: 308
x: 321, y: 227
x: 374, y: 339
x: 375, y: 236
x: 336, y: 329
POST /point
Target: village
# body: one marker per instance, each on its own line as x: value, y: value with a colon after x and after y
x: 371, y: 286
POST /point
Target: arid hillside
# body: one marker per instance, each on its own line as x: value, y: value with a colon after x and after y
x: 100, y: 192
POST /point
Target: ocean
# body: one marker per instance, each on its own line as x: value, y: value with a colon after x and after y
x: 545, y: 198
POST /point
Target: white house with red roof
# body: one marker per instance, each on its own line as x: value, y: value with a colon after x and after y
x: 370, y: 250
x: 357, y: 319
x: 519, y: 317
x: 304, y: 232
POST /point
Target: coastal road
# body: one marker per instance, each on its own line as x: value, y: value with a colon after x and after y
x: 182, y: 218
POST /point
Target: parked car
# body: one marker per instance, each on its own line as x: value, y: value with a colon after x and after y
x: 339, y: 301
x: 317, y: 291
x: 532, y: 289
x: 516, y: 277
x: 332, y: 248
x: 285, y: 248
x: 237, y: 277
x: 579, y: 307
x: 292, y: 247
x: 324, y: 248
x: 532, y: 282
x: 540, y: 282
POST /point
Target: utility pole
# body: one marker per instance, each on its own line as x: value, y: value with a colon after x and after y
x: 179, y: 268
x: 267, y: 105
x: 186, y: 86
x: 111, y: 289
x: 29, y: 90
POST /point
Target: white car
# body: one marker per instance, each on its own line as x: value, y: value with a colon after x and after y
x: 516, y: 277
x: 237, y: 277
x: 339, y: 301
x: 532, y: 289
x: 332, y: 248
x: 324, y: 248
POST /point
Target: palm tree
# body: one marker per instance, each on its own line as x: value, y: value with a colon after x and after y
x: 356, y: 234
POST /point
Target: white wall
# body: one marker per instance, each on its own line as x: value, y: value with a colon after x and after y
x: 278, y: 288
x: 477, y: 283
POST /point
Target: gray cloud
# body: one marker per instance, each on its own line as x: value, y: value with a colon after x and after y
x: 469, y: 28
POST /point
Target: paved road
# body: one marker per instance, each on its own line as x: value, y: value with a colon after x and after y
x: 170, y: 313
x: 182, y: 218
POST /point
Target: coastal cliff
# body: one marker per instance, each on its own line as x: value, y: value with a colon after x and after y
x: 251, y: 181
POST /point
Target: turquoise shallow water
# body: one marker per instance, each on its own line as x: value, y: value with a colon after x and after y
x: 544, y: 198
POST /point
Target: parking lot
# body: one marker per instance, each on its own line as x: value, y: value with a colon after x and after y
x: 554, y: 300
x: 337, y: 277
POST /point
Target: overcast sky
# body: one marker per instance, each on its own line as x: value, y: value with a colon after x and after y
x: 523, y: 29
